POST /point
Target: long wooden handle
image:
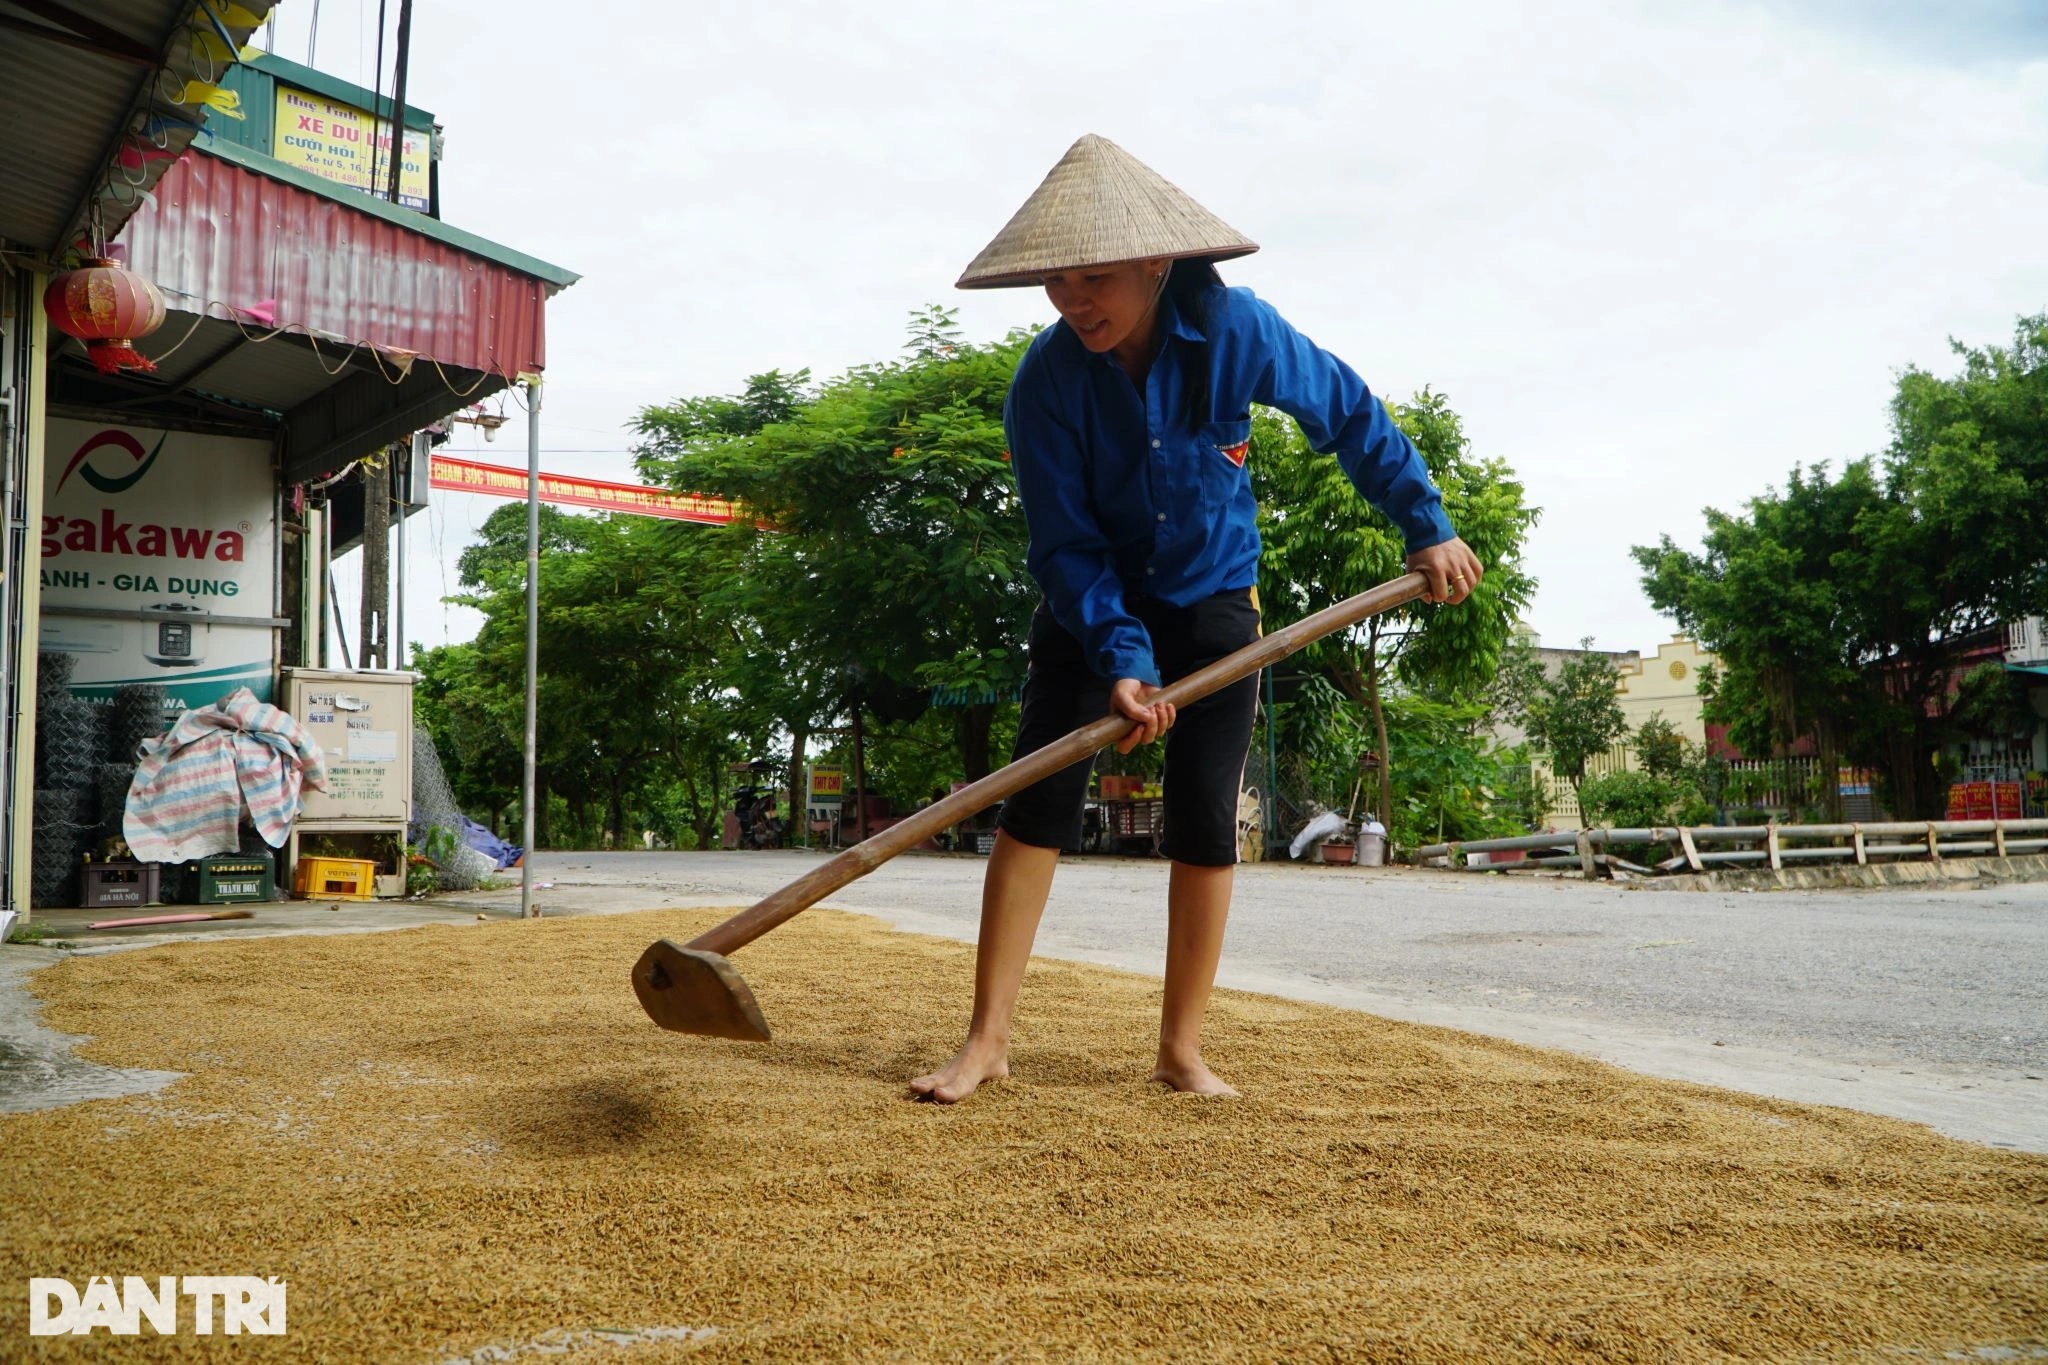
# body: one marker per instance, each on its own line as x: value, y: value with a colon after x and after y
x: 182, y: 918
x: 864, y: 857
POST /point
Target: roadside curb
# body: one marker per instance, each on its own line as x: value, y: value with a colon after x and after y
x: 2030, y: 867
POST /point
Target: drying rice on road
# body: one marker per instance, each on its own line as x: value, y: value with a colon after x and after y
x: 468, y: 1143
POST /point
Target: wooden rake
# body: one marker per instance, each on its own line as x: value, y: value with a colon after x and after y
x: 694, y: 988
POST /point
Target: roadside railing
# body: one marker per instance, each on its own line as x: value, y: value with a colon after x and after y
x: 1697, y: 848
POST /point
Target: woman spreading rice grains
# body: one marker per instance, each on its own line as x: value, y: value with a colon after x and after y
x: 1128, y: 424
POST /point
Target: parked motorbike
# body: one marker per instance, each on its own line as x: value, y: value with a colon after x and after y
x: 759, y: 825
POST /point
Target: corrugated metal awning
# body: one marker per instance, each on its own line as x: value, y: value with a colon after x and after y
x: 226, y: 239
x: 345, y: 321
x: 94, y: 108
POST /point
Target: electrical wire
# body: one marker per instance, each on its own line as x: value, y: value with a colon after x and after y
x: 141, y: 176
x: 162, y: 356
x: 347, y: 356
x: 460, y: 393
x: 333, y: 479
x: 130, y: 192
x: 376, y: 100
x: 234, y: 316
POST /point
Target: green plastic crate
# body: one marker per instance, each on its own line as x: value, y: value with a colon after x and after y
x: 231, y: 878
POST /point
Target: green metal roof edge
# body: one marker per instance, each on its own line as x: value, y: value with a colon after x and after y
x: 348, y: 92
x: 2042, y: 669
x: 378, y: 208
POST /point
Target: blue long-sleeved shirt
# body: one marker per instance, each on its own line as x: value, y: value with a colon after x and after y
x: 1124, y: 498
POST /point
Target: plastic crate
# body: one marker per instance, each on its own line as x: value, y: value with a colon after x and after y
x: 1135, y: 819
x: 119, y: 883
x: 348, y: 879
x: 232, y: 878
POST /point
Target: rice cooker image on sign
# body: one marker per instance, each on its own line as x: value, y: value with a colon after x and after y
x: 172, y: 644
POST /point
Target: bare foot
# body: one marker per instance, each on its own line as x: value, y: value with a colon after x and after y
x: 974, y: 1063
x: 1192, y: 1076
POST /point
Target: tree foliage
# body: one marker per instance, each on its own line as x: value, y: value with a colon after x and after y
x: 1451, y: 779
x: 887, y: 558
x: 1845, y: 606
x: 1323, y: 543
x: 1660, y: 749
x: 633, y: 679
x: 1631, y: 799
x: 1517, y: 678
x: 1576, y: 716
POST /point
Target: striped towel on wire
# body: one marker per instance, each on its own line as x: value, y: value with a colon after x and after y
x: 189, y: 791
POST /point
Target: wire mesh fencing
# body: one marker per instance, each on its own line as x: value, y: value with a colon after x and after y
x: 458, y: 866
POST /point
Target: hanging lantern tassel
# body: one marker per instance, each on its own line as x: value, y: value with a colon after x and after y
x: 109, y: 309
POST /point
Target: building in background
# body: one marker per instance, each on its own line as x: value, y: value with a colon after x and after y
x: 1664, y: 683
x: 2006, y: 774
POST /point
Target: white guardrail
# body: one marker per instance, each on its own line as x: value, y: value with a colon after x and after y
x: 1770, y: 845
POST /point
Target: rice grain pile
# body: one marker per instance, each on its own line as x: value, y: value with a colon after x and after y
x: 467, y: 1144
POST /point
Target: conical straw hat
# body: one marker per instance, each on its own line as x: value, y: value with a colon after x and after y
x: 1100, y: 206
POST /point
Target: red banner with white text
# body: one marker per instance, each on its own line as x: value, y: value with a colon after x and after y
x: 472, y: 476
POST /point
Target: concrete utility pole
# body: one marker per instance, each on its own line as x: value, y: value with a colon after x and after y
x: 398, y: 596
x: 373, y: 640
x: 526, y: 906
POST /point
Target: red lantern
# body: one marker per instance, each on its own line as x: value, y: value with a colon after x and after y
x: 107, y: 308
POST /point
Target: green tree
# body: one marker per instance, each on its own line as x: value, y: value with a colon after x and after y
x: 672, y: 432
x: 1969, y: 457
x: 1452, y: 780
x: 1774, y: 597
x: 934, y: 332
x: 740, y: 576
x: 1576, y: 716
x: 633, y: 701
x: 1843, y: 607
x: 1323, y: 543
x: 1629, y: 799
x: 891, y: 559
x: 1517, y: 678
x: 1661, y: 750
x: 480, y: 686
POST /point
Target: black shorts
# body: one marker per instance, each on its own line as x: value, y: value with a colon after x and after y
x: 1205, y: 749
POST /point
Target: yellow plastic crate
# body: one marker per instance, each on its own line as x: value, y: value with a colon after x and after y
x: 348, y: 879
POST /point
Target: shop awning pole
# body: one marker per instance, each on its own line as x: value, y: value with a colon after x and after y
x: 532, y: 636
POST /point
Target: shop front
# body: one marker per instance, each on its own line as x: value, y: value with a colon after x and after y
x: 173, y: 522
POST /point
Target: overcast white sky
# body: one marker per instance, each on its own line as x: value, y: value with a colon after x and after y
x: 1655, y: 254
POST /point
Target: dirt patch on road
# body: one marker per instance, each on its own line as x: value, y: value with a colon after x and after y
x: 468, y: 1143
